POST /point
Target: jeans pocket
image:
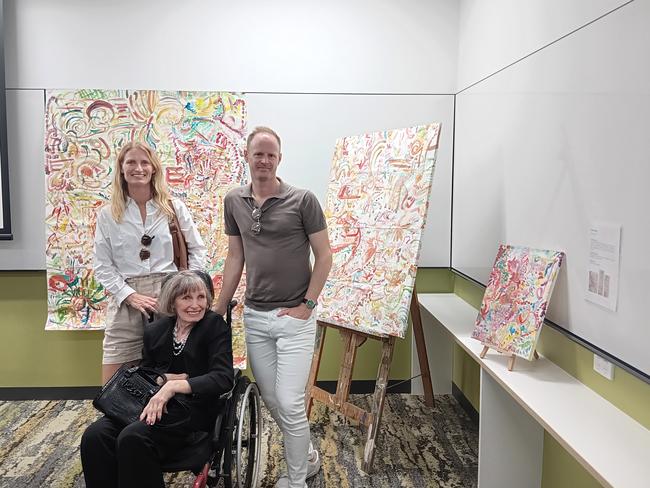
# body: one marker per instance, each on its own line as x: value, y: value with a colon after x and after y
x: 301, y: 321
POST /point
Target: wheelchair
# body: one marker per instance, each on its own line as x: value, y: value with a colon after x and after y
x: 230, y: 454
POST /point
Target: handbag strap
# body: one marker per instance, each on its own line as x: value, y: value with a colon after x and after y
x: 180, y: 255
x: 151, y: 374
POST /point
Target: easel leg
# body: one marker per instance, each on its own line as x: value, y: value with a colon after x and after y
x: 511, y: 362
x: 535, y: 355
x: 483, y: 352
x: 421, y: 347
x: 378, y: 403
x: 352, y: 342
x: 315, y: 365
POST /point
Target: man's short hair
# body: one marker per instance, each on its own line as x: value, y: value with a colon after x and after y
x: 262, y: 130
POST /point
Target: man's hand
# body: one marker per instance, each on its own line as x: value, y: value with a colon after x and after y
x: 300, y: 312
x: 143, y: 303
x: 157, y: 405
x: 220, y: 311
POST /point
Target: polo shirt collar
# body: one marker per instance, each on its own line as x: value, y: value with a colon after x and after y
x: 284, y: 190
x: 247, y: 190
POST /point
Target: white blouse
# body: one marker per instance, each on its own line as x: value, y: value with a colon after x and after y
x: 117, y: 246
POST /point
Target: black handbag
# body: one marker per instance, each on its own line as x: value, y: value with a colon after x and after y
x: 125, y: 395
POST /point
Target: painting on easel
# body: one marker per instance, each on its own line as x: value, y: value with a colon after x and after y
x: 515, y: 300
x: 376, y: 207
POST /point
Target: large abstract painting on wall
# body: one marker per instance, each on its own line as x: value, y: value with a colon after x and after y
x: 199, y: 137
x: 516, y: 298
x: 376, y: 207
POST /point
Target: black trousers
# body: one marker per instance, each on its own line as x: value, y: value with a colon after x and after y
x: 115, y: 456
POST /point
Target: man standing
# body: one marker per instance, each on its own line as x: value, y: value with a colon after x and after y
x: 272, y: 226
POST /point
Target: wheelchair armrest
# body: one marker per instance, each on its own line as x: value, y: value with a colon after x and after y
x: 224, y: 398
x: 236, y: 375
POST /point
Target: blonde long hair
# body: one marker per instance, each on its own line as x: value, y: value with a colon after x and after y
x: 159, y: 192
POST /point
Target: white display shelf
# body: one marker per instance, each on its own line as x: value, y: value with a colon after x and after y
x: 611, y: 445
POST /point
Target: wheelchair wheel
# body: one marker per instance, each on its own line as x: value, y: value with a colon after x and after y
x: 249, y: 438
x: 243, y: 443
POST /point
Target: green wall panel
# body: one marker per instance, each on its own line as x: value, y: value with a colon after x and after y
x: 33, y: 357
x: 467, y: 376
x: 561, y: 470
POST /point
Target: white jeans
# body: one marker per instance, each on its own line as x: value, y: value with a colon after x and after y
x: 280, y: 350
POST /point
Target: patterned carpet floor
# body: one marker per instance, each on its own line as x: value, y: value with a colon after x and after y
x: 419, y: 446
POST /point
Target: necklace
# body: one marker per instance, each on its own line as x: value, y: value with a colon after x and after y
x: 178, y: 344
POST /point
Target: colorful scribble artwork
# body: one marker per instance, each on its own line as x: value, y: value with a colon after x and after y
x: 376, y: 207
x: 516, y: 298
x: 199, y: 137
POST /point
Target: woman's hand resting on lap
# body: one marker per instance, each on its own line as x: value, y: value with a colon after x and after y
x: 157, y: 405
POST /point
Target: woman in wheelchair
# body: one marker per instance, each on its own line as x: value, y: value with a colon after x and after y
x: 192, y: 346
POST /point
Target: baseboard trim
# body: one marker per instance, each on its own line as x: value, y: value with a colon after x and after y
x: 50, y: 393
x: 89, y: 392
x: 465, y: 403
x: 367, y: 386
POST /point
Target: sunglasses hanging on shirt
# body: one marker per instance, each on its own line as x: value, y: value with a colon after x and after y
x: 256, y: 214
x: 144, y: 252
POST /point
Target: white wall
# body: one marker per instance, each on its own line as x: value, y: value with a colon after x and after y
x: 308, y: 148
x: 363, y: 46
x: 325, y: 61
x: 495, y: 33
x: 552, y: 144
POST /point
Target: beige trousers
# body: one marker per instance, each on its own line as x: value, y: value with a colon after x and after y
x: 125, y: 325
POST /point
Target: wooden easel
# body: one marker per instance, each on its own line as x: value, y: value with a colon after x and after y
x: 339, y: 401
x: 511, y: 361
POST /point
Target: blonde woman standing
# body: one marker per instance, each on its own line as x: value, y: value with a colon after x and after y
x: 134, y: 250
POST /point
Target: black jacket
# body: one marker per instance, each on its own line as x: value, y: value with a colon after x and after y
x: 207, y: 356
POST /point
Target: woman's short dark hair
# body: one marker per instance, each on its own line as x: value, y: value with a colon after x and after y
x: 181, y: 283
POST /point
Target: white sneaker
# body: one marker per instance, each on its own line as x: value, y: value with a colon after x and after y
x: 313, y: 467
x: 313, y: 462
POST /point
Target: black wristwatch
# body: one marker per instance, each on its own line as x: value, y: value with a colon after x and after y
x: 311, y: 304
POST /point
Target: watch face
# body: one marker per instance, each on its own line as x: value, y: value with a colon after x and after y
x: 310, y: 303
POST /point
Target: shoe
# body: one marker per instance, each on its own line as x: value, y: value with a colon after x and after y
x: 313, y: 463
x: 313, y: 467
x: 283, y: 482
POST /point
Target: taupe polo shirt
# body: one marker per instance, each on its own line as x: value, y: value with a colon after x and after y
x: 277, y: 259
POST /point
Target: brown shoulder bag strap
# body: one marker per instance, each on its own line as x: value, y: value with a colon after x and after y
x: 178, y: 241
